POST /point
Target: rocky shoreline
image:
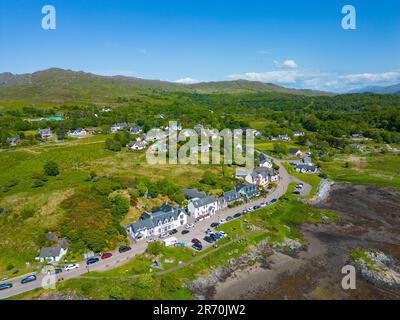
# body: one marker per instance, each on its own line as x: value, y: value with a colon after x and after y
x: 370, y: 218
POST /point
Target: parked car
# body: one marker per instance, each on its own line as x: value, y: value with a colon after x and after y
x: 208, y: 239
x: 173, y: 231
x: 296, y: 192
x: 197, y: 247
x: 214, y: 224
x: 71, y: 267
x: 185, y: 231
x: 229, y: 218
x: 208, y: 231
x: 5, y: 286
x: 257, y: 207
x: 215, y: 237
x: 92, y: 261
x: 124, y: 249
x: 222, y: 221
x: 273, y: 201
x: 195, y: 240
x: 54, y: 271
x: 237, y: 215
x: 27, y: 279
x: 164, y: 235
x: 106, y: 255
x: 189, y: 226
x: 221, y: 234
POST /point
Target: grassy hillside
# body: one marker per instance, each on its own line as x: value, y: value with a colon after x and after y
x: 67, y: 86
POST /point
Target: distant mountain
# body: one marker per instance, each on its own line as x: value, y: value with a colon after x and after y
x: 65, y: 85
x: 394, y: 89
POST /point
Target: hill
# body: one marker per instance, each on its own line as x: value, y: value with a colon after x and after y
x: 66, y: 86
x: 393, y: 89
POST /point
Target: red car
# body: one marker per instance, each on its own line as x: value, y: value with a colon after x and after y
x: 106, y: 255
x: 194, y: 240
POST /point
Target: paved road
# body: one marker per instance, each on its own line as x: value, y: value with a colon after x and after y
x: 139, y: 247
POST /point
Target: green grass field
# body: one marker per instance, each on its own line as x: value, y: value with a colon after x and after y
x: 376, y: 169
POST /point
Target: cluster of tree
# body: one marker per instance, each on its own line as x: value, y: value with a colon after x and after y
x: 144, y: 187
x: 93, y: 214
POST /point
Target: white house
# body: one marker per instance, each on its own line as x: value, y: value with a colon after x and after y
x: 45, y: 133
x: 266, y: 163
x: 259, y: 176
x: 203, y: 208
x: 160, y: 221
x: 136, y: 145
x: 77, y: 132
x: 52, y: 254
x: 298, y: 133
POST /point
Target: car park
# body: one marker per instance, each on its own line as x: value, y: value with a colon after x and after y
x: 92, y: 261
x: 106, y: 255
x: 5, y: 286
x: 27, y: 279
x: 185, y: 231
x: 71, y: 267
x: 124, y: 249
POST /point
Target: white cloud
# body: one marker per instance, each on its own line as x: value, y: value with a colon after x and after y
x: 291, y: 77
x: 291, y: 64
x: 362, y: 78
x: 187, y: 80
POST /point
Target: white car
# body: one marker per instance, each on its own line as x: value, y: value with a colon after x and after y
x: 223, y: 233
x: 164, y: 235
x: 71, y: 267
x: 222, y: 221
x: 189, y: 226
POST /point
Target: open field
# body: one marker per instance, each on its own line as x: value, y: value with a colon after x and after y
x: 376, y: 169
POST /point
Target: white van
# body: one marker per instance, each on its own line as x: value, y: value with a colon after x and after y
x: 170, y: 241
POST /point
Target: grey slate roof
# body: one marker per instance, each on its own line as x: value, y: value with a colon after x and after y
x: 231, y: 196
x: 248, y: 190
x: 159, y: 215
x: 203, y: 201
x: 193, y: 193
x: 50, y: 252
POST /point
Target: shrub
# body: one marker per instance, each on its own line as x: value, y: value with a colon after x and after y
x: 51, y: 168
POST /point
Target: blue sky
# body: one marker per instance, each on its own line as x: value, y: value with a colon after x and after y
x: 291, y: 43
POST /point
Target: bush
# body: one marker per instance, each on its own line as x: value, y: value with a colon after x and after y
x: 51, y: 168
x: 37, y: 184
x: 155, y: 248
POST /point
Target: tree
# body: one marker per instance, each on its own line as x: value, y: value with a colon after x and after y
x: 51, y: 168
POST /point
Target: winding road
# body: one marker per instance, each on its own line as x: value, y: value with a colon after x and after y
x: 139, y: 247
